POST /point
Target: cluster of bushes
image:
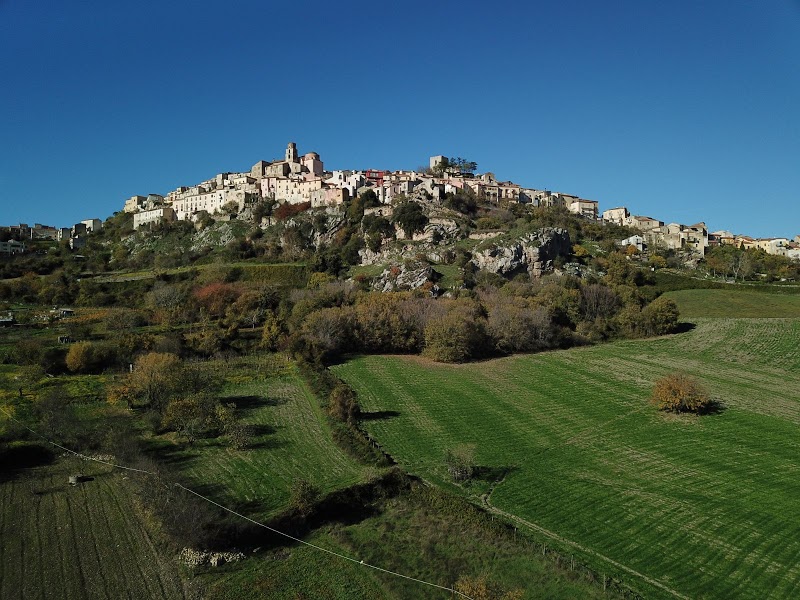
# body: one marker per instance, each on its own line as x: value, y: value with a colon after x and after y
x: 180, y: 397
x: 557, y: 312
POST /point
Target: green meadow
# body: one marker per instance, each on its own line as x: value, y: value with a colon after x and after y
x: 570, y: 450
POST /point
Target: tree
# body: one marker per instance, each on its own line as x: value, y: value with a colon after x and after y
x: 81, y: 357
x: 155, y: 379
x: 410, y: 217
x: 660, y: 317
x: 343, y: 405
x: 215, y: 298
x: 454, y: 166
x: 677, y: 392
x: 304, y: 495
x: 455, y: 336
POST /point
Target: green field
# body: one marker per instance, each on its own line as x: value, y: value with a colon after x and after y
x: 678, y: 506
x: 293, y: 441
x: 735, y: 304
x: 86, y: 541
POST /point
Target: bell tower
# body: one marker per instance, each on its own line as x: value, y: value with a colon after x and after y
x: 291, y: 153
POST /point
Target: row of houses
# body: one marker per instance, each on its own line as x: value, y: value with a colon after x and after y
x: 695, y: 238
x: 75, y: 234
x: 299, y: 179
x: 296, y: 179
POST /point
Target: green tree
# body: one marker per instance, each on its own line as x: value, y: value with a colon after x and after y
x: 660, y: 317
x: 410, y: 217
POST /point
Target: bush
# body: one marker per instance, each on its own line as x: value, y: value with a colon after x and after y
x: 677, y: 392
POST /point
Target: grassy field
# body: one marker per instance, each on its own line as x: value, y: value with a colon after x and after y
x: 86, y: 541
x: 292, y: 441
x: 678, y: 506
x: 735, y: 304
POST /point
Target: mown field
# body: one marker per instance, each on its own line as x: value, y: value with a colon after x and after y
x: 292, y: 441
x: 86, y: 541
x: 678, y: 506
x: 736, y: 304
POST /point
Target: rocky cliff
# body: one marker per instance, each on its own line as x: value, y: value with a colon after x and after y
x: 533, y: 252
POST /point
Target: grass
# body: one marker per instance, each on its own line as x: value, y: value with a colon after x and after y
x: 292, y: 441
x: 739, y: 304
x: 86, y: 541
x: 416, y: 534
x: 700, y: 507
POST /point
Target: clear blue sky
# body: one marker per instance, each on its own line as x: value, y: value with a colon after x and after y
x: 682, y: 110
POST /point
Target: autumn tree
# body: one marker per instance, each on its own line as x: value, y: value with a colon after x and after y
x: 215, y: 298
x: 343, y: 405
x: 456, y: 336
x: 196, y: 414
x: 677, y: 392
x: 599, y: 301
x: 660, y: 317
x: 515, y: 326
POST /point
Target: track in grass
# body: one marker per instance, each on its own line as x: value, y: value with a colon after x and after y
x: 708, y: 507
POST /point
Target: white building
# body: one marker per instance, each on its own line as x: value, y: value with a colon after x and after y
x: 155, y: 215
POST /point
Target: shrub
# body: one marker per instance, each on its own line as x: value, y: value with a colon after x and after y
x: 286, y: 210
x: 460, y: 462
x: 343, y: 405
x: 677, y: 392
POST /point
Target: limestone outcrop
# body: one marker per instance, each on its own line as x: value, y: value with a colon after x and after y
x: 533, y: 253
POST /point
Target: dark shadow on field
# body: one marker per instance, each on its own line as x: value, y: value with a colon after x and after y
x: 492, y: 474
x: 260, y: 429
x: 246, y: 403
x: 342, y: 359
x: 379, y: 415
x: 684, y: 327
x: 266, y: 444
x: 16, y: 459
x: 347, y: 506
x: 171, y: 455
x: 715, y: 407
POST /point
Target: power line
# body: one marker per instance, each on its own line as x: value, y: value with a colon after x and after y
x: 246, y: 518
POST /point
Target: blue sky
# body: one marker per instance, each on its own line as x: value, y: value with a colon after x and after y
x: 683, y: 111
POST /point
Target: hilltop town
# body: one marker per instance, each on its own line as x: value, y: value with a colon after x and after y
x: 302, y: 180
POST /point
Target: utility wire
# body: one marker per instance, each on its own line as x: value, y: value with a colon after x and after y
x: 246, y: 518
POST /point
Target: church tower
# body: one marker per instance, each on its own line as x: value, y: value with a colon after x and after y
x: 291, y: 153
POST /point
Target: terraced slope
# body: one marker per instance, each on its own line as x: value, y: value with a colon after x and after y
x: 683, y: 506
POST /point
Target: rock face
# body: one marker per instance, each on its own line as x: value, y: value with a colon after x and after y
x: 403, y: 278
x: 534, y: 252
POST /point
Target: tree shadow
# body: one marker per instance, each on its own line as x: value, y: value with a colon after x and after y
x: 245, y: 403
x: 17, y: 459
x: 714, y: 407
x: 379, y: 415
x: 492, y: 474
x: 684, y: 327
x: 267, y: 444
